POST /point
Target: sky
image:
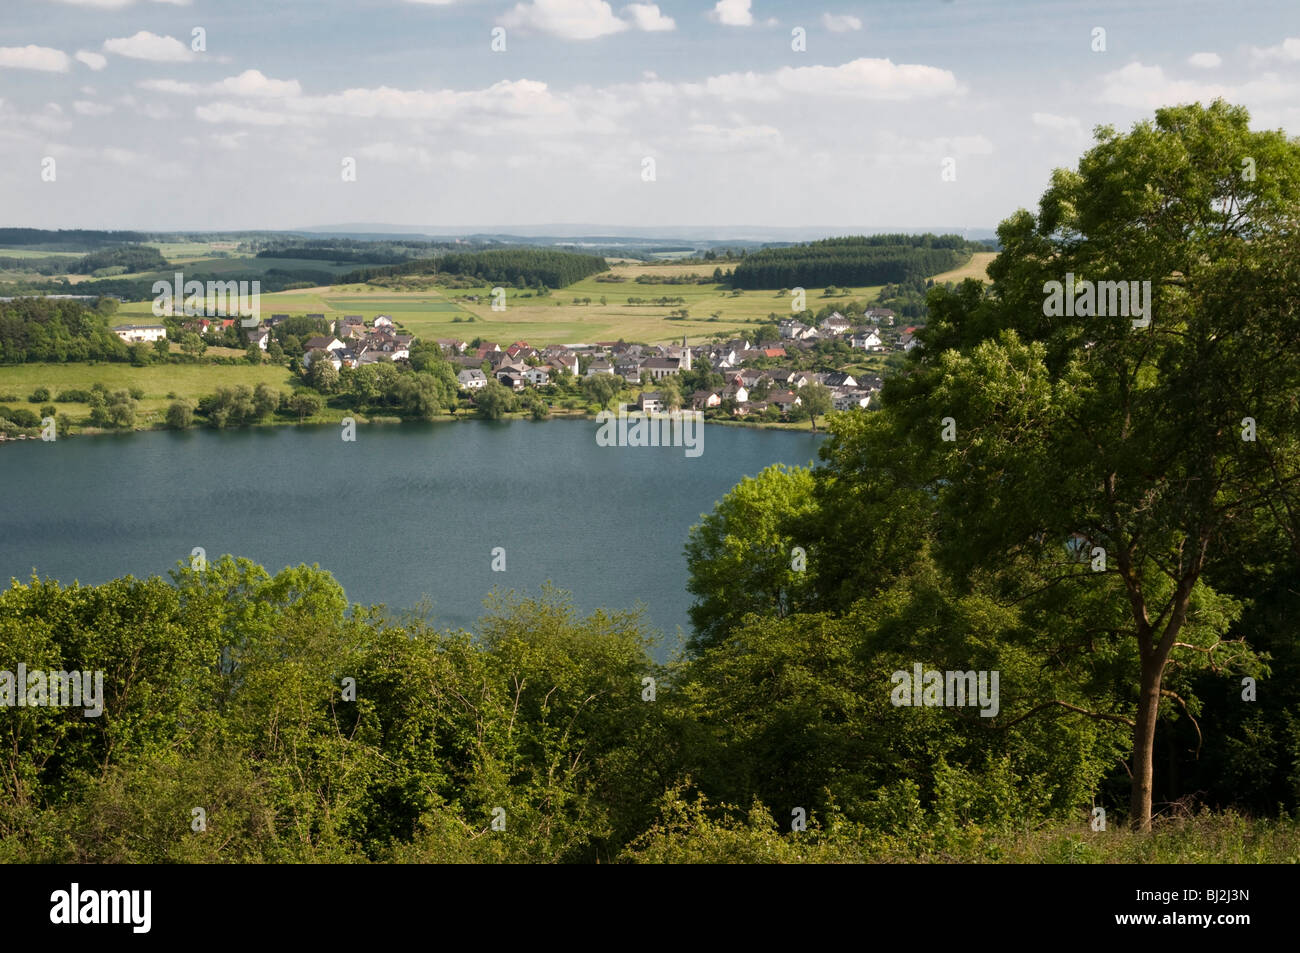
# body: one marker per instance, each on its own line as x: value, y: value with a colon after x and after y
x: 252, y: 114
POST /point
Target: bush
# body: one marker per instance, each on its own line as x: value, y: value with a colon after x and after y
x: 137, y: 393
x: 180, y: 415
x: 22, y: 417
x: 48, y: 410
x: 40, y: 395
x: 73, y: 396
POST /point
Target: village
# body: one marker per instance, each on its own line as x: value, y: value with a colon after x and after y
x: 757, y: 378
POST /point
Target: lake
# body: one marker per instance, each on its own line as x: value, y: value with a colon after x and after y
x: 407, y: 512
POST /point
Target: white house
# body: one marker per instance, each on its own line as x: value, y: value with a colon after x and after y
x: 472, y: 379
x: 867, y: 340
x: 135, y: 333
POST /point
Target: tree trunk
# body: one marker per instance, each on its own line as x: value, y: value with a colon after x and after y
x: 1144, y: 740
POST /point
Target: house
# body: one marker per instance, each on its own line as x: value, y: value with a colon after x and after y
x: 484, y: 349
x: 838, y: 379
x: 836, y: 323
x: 790, y: 328
x: 135, y: 333
x: 402, y: 346
x: 259, y: 336
x: 658, y: 368
x: 650, y: 402
x: 784, y: 400
x: 800, y: 379
x: 382, y: 321
x: 599, y: 366
x: 737, y: 392
x: 907, y: 340
x: 774, y: 352
x: 334, y: 357
x: 866, y: 339
x: 879, y: 315
x: 316, y: 317
x: 537, y: 376
x: 629, y: 369
x: 471, y: 379
x: 277, y: 319
x: 450, y: 346
x: 512, y: 379
x: 323, y: 343
x: 850, y: 398
x: 703, y: 399
x: 566, y: 360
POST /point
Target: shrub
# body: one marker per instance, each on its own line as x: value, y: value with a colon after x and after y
x: 40, y: 395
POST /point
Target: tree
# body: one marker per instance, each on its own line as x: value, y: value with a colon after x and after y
x: 1131, y: 425
x: 741, y: 556
x: 265, y: 401
x: 275, y: 352
x: 602, y: 388
x: 494, y: 400
x: 816, y: 401
x: 323, y: 375
x: 253, y: 353
x: 162, y: 348
x: 670, y: 393
x: 192, y: 344
x: 180, y: 415
x: 305, y: 404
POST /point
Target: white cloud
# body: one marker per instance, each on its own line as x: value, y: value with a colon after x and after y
x: 230, y: 112
x: 646, y: 16
x: 841, y: 24
x: 1288, y: 50
x: 118, y: 4
x: 1057, y: 123
x: 34, y: 57
x: 733, y: 13
x: 433, y: 3
x: 150, y: 46
x: 1205, y: 60
x: 862, y: 78
x: 1147, y: 87
x: 96, y: 61
x: 84, y: 108
x: 568, y: 19
x: 253, y: 83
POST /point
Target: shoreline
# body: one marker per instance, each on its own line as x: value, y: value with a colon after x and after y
x: 382, y: 420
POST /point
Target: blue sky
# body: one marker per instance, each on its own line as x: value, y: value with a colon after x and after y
x: 851, y: 132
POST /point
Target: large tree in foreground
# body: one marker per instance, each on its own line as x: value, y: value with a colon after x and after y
x: 1153, y: 438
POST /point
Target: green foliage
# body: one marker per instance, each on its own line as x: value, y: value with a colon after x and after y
x: 858, y: 261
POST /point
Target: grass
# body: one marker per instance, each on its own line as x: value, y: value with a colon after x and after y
x: 977, y: 267
x: 190, y: 381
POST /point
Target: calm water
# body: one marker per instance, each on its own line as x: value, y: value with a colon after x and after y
x: 406, y: 512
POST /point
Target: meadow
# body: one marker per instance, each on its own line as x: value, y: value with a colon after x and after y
x: 161, y: 383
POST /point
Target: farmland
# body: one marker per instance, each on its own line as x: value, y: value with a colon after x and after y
x: 432, y: 311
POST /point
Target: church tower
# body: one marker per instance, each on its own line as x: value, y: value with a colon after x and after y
x: 686, y: 355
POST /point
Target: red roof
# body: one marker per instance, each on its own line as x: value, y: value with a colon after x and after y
x: 774, y: 352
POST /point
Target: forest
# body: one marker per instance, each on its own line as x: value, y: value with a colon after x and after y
x: 855, y: 261
x: 517, y: 267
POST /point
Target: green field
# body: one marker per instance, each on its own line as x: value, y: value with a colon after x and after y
x: 190, y: 381
x: 432, y: 312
